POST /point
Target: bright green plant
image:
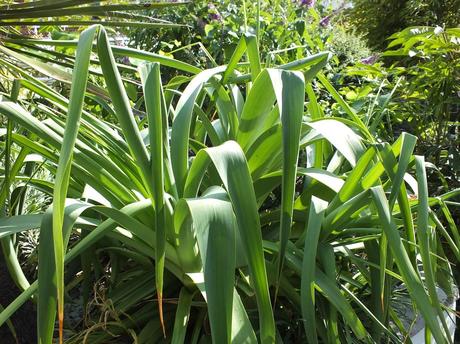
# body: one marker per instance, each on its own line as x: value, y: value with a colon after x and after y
x: 197, y: 194
x: 417, y: 93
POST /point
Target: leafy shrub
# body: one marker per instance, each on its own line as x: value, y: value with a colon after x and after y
x: 417, y: 93
x: 286, y: 30
x: 349, y: 47
x: 378, y: 20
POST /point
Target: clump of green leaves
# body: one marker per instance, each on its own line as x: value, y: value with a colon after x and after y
x: 164, y: 201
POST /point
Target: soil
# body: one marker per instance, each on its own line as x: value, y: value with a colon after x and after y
x: 24, y: 319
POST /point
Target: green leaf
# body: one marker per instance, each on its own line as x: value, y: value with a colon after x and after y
x: 231, y: 164
x: 215, y: 226
x: 181, y: 125
x: 409, y: 275
x: 289, y: 88
x: 182, y: 316
x: 17, y: 224
x: 242, y: 331
x: 424, y: 235
x: 307, y: 286
x: 347, y: 142
x: 248, y: 44
x: 347, y: 108
x: 123, y: 109
x: 153, y: 93
x: 79, y: 80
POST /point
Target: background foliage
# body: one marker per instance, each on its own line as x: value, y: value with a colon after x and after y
x: 378, y: 20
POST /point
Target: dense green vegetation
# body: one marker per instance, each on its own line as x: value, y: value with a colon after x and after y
x: 185, y: 173
x: 378, y: 20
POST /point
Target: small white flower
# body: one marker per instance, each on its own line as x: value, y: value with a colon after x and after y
x: 438, y: 30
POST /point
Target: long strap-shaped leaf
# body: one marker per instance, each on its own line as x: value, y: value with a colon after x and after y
x: 256, y: 114
x: 289, y: 88
x: 390, y: 164
x: 231, y: 164
x: 137, y: 148
x: 214, y: 224
x: 153, y: 93
x: 181, y: 125
x: 307, y: 291
x: 413, y: 282
x: 347, y: 108
x: 247, y: 43
x: 99, y: 176
x: 59, y: 9
x: 123, y: 108
x: 345, y: 140
x: 326, y: 286
x: 424, y: 240
x: 407, y: 148
x: 79, y: 80
x: 182, y: 316
x: 242, y: 331
x: 49, y: 70
x: 10, y: 173
x: 121, y: 51
x: 47, y: 273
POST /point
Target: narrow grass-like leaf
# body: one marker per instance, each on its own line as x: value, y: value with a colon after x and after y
x: 90, y: 22
x: 117, y: 50
x: 51, y: 71
x: 98, y: 177
x: 326, y: 286
x: 248, y: 44
x: 316, y: 113
x: 289, y: 88
x: 307, y: 291
x: 182, y: 316
x: 153, y: 93
x: 352, y: 185
x: 347, y: 108
x: 79, y: 80
x: 424, y: 229
x: 181, y: 125
x: 17, y: 303
x: 6, y: 198
x: 411, y: 278
x: 10, y: 326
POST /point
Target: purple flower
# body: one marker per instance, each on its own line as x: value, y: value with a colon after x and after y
x: 213, y: 13
x: 215, y: 16
x: 325, y: 21
x: 307, y: 3
x: 370, y: 60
